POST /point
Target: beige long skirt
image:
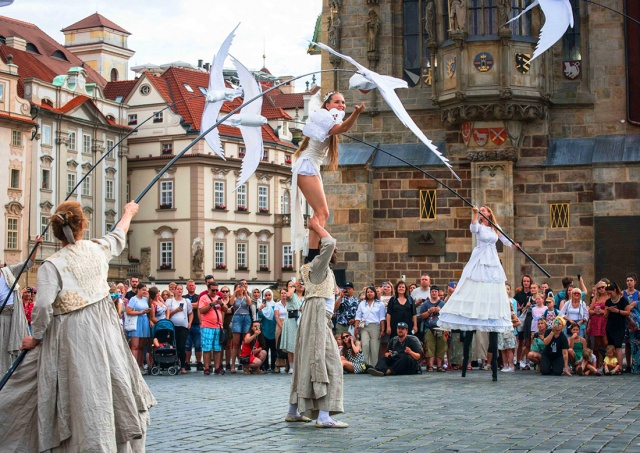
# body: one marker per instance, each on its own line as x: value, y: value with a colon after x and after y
x: 80, y: 390
x: 317, y: 375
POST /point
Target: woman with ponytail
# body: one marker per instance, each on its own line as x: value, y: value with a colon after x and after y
x: 320, y: 140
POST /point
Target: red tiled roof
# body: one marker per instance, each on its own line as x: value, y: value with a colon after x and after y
x: 272, y: 113
x: 40, y: 65
x: 119, y: 88
x: 16, y: 118
x: 76, y: 102
x: 268, y: 135
x: 288, y: 101
x: 93, y: 21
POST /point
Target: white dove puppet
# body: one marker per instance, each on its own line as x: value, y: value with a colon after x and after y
x: 386, y: 85
x: 217, y: 93
x: 250, y: 122
x: 558, y: 16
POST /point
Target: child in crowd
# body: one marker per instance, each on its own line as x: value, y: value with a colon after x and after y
x: 551, y: 312
x: 611, y: 365
x: 577, y: 345
x: 164, y: 345
x: 586, y: 366
x: 537, y: 344
x: 538, y: 309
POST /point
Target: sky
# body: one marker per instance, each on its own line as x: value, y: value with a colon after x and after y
x: 163, y: 31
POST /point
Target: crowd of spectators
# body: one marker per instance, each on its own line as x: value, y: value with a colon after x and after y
x: 384, y: 329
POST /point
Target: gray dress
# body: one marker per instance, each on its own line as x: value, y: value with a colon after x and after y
x: 80, y: 389
x: 13, y: 323
x: 290, y: 325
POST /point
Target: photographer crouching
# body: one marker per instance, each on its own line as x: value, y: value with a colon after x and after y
x: 402, y: 356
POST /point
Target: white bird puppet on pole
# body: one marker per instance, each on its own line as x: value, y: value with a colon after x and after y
x: 250, y: 122
x: 367, y: 79
x: 558, y: 16
x: 217, y: 93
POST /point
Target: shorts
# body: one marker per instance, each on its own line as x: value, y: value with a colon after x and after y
x: 436, y: 343
x: 307, y: 168
x: 241, y: 323
x: 210, y: 339
x: 615, y: 337
x: 194, y: 340
x: 506, y: 340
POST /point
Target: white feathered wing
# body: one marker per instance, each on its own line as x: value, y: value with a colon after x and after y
x: 386, y: 86
x: 216, y: 82
x: 252, y: 135
x: 558, y: 16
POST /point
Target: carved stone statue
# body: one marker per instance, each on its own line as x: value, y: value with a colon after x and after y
x: 373, y: 29
x: 430, y: 21
x: 458, y: 11
x: 197, y: 250
x: 145, y: 261
x: 335, y: 26
x: 504, y: 11
x: 335, y: 5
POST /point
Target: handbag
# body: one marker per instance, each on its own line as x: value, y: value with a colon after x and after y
x: 130, y: 322
x: 224, y: 336
x: 522, y: 318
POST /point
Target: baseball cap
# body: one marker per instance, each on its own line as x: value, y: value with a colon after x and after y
x: 348, y: 285
x: 402, y: 325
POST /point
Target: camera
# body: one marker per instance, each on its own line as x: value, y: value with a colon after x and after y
x: 393, y: 355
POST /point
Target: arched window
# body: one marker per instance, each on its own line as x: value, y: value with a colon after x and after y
x: 285, y: 203
x: 59, y: 55
x: 417, y: 60
x: 483, y: 17
x: 521, y: 26
x: 114, y: 75
x: 32, y: 48
x: 571, y: 49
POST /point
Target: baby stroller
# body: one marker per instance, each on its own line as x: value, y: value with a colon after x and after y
x: 165, y: 357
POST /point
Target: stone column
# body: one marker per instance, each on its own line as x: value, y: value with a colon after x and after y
x: 350, y: 199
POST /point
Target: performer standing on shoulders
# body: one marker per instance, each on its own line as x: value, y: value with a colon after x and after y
x: 13, y: 323
x: 479, y: 301
x: 316, y: 385
x: 80, y: 388
x: 321, y: 138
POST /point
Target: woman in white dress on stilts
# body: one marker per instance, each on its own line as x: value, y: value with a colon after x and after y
x: 480, y: 301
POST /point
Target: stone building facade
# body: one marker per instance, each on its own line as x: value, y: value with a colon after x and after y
x: 547, y: 144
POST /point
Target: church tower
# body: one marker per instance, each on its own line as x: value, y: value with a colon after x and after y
x: 101, y: 44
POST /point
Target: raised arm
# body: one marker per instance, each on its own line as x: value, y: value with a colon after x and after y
x: 130, y: 210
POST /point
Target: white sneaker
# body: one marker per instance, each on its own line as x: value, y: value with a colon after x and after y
x: 290, y: 370
x: 508, y: 370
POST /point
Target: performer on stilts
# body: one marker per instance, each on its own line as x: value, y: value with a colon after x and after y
x: 79, y: 388
x: 480, y: 301
x: 321, y: 139
x: 316, y: 384
x: 13, y: 323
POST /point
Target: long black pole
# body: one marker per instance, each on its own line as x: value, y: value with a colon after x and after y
x: 104, y: 156
x: 464, y: 200
x: 22, y: 354
x: 613, y: 10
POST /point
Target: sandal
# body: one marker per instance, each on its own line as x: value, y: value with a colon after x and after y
x: 455, y: 368
x: 441, y: 369
x: 430, y: 369
x: 469, y: 367
x: 526, y: 368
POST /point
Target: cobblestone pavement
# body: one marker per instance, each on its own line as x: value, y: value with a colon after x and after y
x: 523, y: 411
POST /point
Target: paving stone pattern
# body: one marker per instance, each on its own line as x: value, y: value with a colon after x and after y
x: 522, y: 412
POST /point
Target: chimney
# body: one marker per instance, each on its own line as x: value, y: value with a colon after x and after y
x: 206, y: 67
x: 200, y: 63
x: 16, y: 43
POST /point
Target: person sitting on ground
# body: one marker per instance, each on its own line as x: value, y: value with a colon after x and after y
x: 352, y: 357
x: 577, y: 345
x: 555, y: 358
x: 586, y: 366
x: 611, y: 364
x: 402, y: 357
x: 251, y: 354
x: 537, y: 343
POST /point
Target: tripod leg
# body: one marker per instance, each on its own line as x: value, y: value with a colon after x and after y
x: 493, y: 349
x: 466, y: 345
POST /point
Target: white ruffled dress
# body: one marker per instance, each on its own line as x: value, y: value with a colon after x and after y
x: 308, y: 164
x: 480, y: 301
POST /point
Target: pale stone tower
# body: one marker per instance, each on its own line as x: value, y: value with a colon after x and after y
x: 101, y: 44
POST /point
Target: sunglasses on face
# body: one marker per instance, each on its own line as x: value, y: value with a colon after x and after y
x: 345, y: 337
x: 225, y: 291
x: 600, y: 287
